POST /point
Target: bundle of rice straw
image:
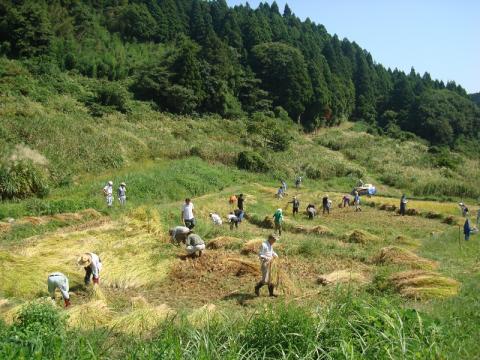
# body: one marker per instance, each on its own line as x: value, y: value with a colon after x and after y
x: 245, y: 266
x: 399, y: 256
x: 201, y: 316
x: 424, y: 285
x: 281, y: 280
x: 341, y: 277
x: 142, y: 319
x: 91, y: 315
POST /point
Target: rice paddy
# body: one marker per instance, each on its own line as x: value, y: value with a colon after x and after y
x: 147, y: 282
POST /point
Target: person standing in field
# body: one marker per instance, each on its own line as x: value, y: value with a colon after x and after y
x: 267, y: 255
x: 122, y: 194
x: 325, y: 205
x: 467, y: 229
x: 296, y: 205
x: 59, y: 281
x: 240, y: 202
x: 346, y: 201
x: 284, y: 186
x: 108, y: 193
x: 232, y: 200
x: 280, y: 193
x: 92, y: 264
x: 356, y: 202
x: 278, y: 220
x: 463, y: 209
x: 298, y: 182
x: 403, y: 205
x: 188, y: 215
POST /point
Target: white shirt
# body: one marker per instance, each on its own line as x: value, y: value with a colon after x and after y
x: 231, y: 217
x: 217, y: 220
x: 180, y: 230
x: 187, y: 211
x: 266, y: 251
x: 96, y: 265
x: 108, y: 190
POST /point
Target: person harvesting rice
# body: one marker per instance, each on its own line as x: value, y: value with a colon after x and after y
x: 59, y: 281
x: 92, y: 265
x: 267, y: 255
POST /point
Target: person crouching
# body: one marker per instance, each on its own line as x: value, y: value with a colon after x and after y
x: 92, y: 265
x: 194, y: 244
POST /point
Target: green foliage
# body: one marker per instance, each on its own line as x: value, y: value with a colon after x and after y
x: 252, y: 161
x: 39, y: 332
x: 21, y: 179
x: 113, y: 96
x: 278, y: 329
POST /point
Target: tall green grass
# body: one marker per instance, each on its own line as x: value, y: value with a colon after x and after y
x: 352, y: 329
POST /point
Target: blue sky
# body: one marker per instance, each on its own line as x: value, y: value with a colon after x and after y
x: 438, y: 36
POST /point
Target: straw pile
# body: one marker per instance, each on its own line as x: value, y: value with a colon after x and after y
x: 342, y: 277
x: 398, y: 256
x: 91, y: 315
x: 360, y: 237
x: 424, y: 285
x: 433, y: 215
x: 245, y: 267
x: 317, y: 230
x: 4, y: 227
x: 253, y: 246
x: 224, y: 242
x: 450, y: 220
x: 412, y: 212
x: 387, y: 207
x: 142, y: 319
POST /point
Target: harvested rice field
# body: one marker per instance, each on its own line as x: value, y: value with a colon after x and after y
x: 147, y: 282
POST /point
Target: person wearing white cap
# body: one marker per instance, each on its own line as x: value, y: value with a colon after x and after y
x: 267, y: 256
x: 92, y: 265
x: 108, y: 192
x: 122, y: 194
x: 59, y: 281
x: 278, y: 220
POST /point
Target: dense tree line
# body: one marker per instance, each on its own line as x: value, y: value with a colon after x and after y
x: 195, y: 56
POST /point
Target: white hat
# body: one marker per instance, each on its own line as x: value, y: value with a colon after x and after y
x: 110, y: 182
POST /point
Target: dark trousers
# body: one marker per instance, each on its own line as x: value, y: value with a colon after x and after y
x: 402, y: 209
x: 327, y: 209
x: 234, y: 223
x: 88, y: 275
x: 295, y: 210
x: 190, y: 223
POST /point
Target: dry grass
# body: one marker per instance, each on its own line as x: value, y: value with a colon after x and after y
x: 342, y: 277
x: 253, y: 246
x: 142, y: 319
x: 147, y: 220
x: 245, y: 266
x: 407, y: 241
x: 91, y: 315
x: 360, y: 237
x: 317, y: 230
x: 398, y: 256
x: 224, y: 242
x: 424, y: 285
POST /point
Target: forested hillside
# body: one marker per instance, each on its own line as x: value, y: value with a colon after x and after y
x: 193, y: 56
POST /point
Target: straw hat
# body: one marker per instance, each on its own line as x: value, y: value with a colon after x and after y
x: 84, y: 260
x: 273, y: 237
x: 123, y: 184
x: 110, y: 182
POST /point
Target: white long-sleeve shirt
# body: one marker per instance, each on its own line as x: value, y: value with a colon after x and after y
x: 217, y: 220
x: 266, y: 251
x: 96, y: 265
